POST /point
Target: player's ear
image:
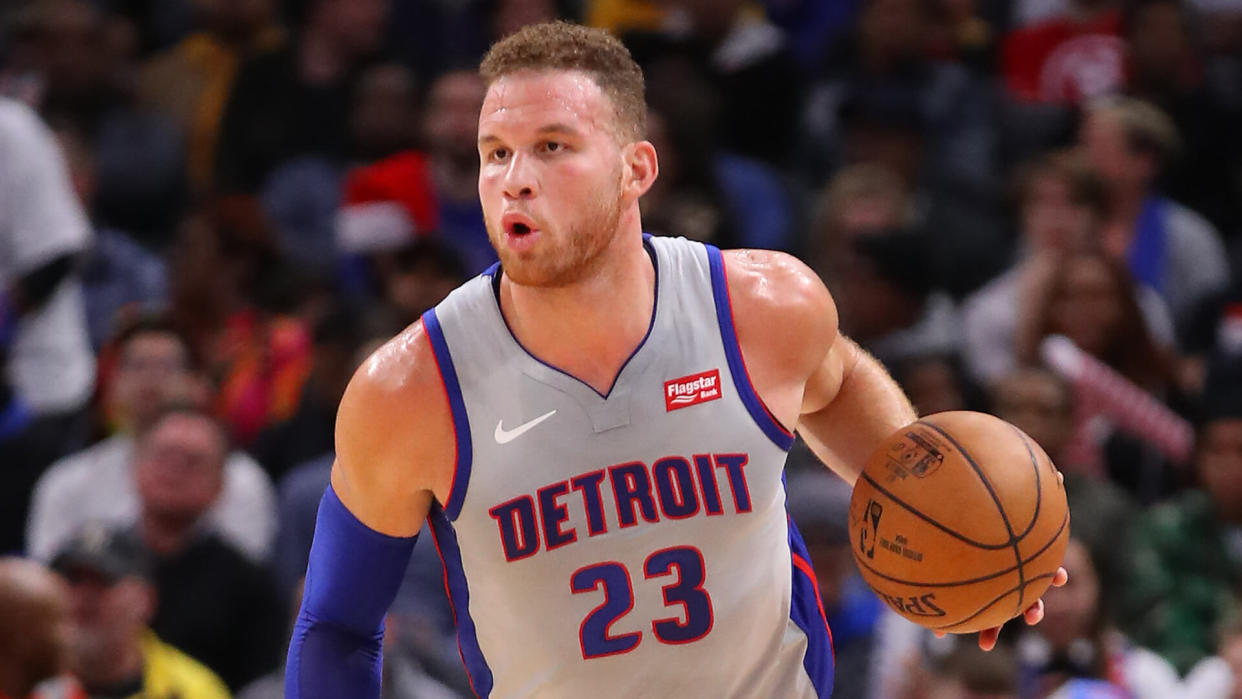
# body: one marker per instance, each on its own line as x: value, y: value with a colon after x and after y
x: 641, y: 168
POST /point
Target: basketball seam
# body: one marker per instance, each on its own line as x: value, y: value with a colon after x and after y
x: 999, y: 508
x: 1039, y: 489
x: 929, y: 520
x: 1006, y: 593
x: 955, y: 583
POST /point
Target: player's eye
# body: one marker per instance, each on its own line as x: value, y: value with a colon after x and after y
x: 551, y: 146
x: 499, y: 154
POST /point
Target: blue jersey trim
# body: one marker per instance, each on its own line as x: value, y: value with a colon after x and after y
x: 461, y: 423
x: 775, y: 431
x: 445, y: 538
x: 495, y: 271
x: 807, y: 612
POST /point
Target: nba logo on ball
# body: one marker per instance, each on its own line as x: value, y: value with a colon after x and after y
x: 917, y: 455
x: 974, y: 524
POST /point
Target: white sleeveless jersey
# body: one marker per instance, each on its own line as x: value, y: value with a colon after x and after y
x: 634, y: 544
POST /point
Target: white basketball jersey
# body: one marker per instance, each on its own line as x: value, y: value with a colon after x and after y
x: 634, y: 544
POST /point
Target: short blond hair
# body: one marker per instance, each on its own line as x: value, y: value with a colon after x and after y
x: 566, y: 46
x: 1147, y: 129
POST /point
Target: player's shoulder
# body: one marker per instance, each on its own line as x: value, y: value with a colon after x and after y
x: 768, y: 286
x: 398, y: 387
x: 394, y: 428
x: 403, y: 357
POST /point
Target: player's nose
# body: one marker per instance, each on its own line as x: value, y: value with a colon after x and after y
x: 520, y: 180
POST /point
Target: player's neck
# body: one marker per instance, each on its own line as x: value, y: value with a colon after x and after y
x: 590, y: 328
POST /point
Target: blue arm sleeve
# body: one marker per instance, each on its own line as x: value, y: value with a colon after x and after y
x: 351, y: 579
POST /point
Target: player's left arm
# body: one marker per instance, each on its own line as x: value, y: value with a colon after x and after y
x: 811, y: 377
x: 814, y: 379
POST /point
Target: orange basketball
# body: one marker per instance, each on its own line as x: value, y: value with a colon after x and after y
x: 958, y: 521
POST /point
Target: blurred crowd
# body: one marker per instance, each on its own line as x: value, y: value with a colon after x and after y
x: 212, y: 210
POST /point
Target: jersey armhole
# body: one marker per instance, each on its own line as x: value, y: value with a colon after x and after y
x: 759, y: 412
x: 457, y: 406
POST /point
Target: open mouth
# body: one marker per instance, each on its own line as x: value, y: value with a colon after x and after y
x: 518, y: 225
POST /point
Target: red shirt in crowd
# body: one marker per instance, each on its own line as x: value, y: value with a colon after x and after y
x: 1064, y: 61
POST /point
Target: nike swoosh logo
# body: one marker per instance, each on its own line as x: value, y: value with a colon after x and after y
x: 504, y: 436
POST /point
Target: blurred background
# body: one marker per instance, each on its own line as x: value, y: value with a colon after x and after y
x: 212, y: 210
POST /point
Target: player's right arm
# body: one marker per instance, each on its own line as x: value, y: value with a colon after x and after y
x: 395, y: 447
x: 395, y: 453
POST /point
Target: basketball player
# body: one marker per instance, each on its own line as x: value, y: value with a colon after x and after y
x: 595, y: 429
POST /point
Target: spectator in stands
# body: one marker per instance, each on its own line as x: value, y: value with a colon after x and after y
x: 43, y: 232
x: 309, y: 432
x: 936, y: 383
x: 964, y: 31
x: 686, y: 200
x: 1166, y: 246
x: 388, y: 205
x: 384, y: 117
x: 746, y: 59
x: 35, y: 635
x: 113, y: 652
x: 1220, y: 676
x: 953, y: 668
x: 1072, y: 56
x: 214, y: 603
x: 155, y: 365
x: 121, y: 280
x: 705, y: 192
x: 190, y: 82
x: 434, y: 37
x: 621, y: 16
x: 1214, y: 336
x: 450, y: 134
x: 246, y: 311
x: 1186, y: 563
x: 295, y: 100
x: 887, y: 300
x: 882, y: 90
x: 508, y: 16
x: 863, y: 199
x: 1062, y: 207
x: 86, y: 62
x: 895, y: 128
x: 302, y: 197
x: 1166, y: 70
x: 417, y: 276
x: 1042, y: 405
x: 1076, y: 641
x: 28, y: 444
x: 1090, y: 299
x: 413, y: 194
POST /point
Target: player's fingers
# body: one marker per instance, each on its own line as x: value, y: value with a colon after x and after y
x: 987, y: 638
x: 1060, y: 578
x: 1035, y: 613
